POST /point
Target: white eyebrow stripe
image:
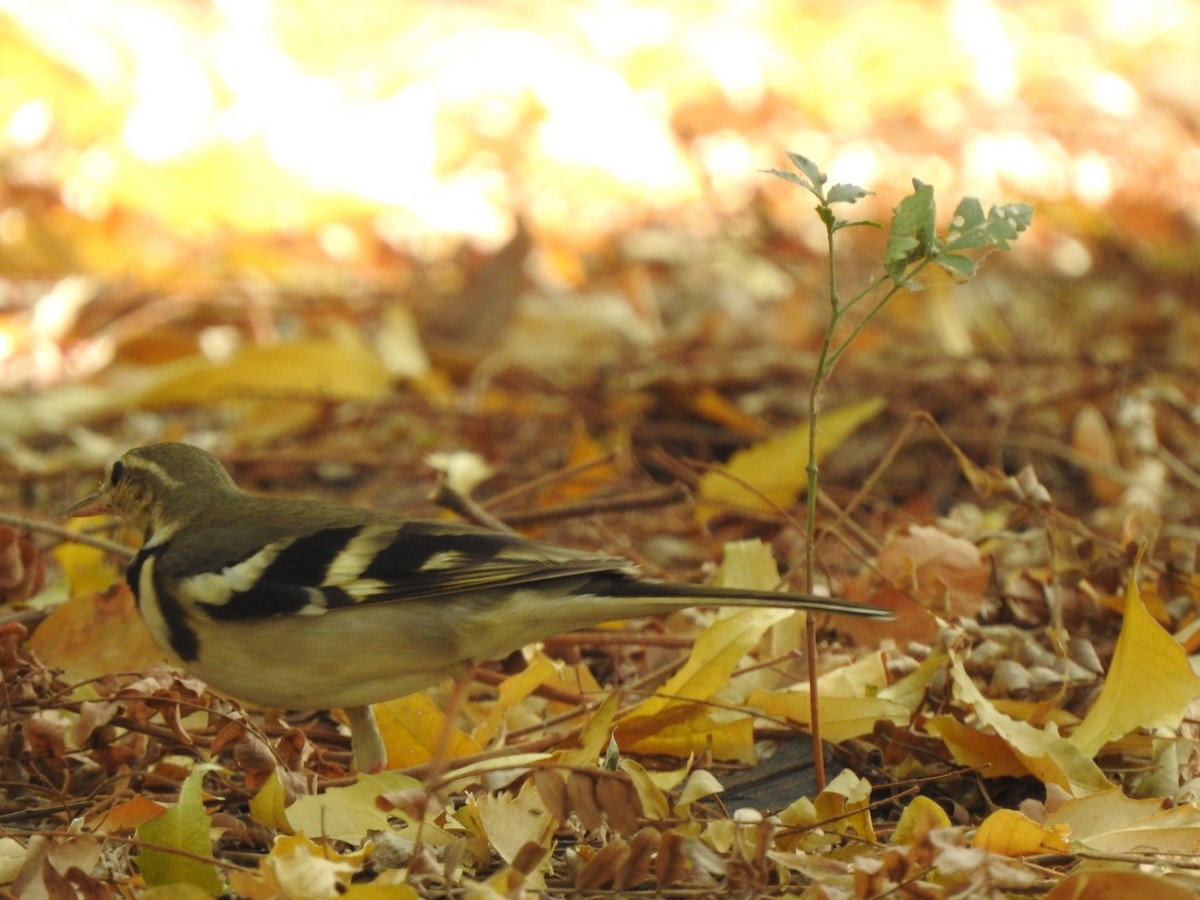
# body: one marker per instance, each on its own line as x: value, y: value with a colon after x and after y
x: 137, y: 462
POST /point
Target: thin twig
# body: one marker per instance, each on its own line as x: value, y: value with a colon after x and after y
x: 621, y: 503
x: 41, y: 526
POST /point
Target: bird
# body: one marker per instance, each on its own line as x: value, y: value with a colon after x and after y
x: 303, y: 604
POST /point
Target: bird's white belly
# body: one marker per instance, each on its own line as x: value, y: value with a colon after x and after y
x: 368, y: 654
x: 344, y: 658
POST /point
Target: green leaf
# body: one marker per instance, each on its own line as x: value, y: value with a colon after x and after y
x: 913, y: 234
x: 809, y: 168
x: 970, y: 229
x: 846, y: 193
x: 962, y: 267
x: 793, y: 178
x: 185, y: 828
x: 1005, y: 223
x: 845, y: 223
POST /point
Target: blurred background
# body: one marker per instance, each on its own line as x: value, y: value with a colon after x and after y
x: 442, y: 193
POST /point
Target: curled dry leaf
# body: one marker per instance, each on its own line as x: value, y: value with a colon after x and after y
x: 641, y: 857
x: 671, y: 865
x: 22, y: 573
x: 605, y: 867
x: 618, y: 798
x: 581, y: 797
x: 553, y: 790
x: 45, y: 737
x: 12, y: 634
x: 529, y: 858
x: 1093, y: 440
x: 945, y: 571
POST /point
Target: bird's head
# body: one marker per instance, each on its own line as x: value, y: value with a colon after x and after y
x: 159, y: 485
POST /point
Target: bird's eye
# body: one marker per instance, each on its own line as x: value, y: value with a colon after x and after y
x: 118, y: 472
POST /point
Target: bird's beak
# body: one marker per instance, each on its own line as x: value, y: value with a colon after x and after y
x: 96, y: 505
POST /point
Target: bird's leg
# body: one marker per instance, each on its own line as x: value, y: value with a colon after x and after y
x: 370, y: 754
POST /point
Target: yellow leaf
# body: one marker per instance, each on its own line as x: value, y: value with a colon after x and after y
x: 992, y: 754
x: 849, y: 703
x: 267, y: 806
x: 700, y: 784
x: 776, y: 468
x: 512, y: 691
x: 292, y: 859
x: 594, y: 735
x: 412, y: 728
x: 1010, y: 833
x: 390, y: 890
x: 348, y: 813
x: 1043, y: 751
x: 1110, y: 822
x: 673, y: 716
x: 715, y: 654
x: 512, y: 822
x: 86, y: 569
x: 844, y: 806
x: 654, y: 801
x: 1096, y: 881
x: 919, y: 818
x: 317, y: 369
x: 1149, y: 683
x: 691, y: 731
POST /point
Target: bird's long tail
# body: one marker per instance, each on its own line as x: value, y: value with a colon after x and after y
x: 663, y: 592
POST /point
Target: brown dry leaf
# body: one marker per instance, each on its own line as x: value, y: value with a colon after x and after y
x: 605, y: 867
x: 947, y: 572
x: 776, y: 467
x: 96, y: 634
x: 1010, y: 833
x: 581, y: 800
x: 552, y: 788
x: 710, y: 405
x: 1093, y: 440
x: 48, y: 859
x: 1149, y: 683
x: 128, y: 815
x: 97, y: 630
x: 618, y: 798
x: 22, y: 572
